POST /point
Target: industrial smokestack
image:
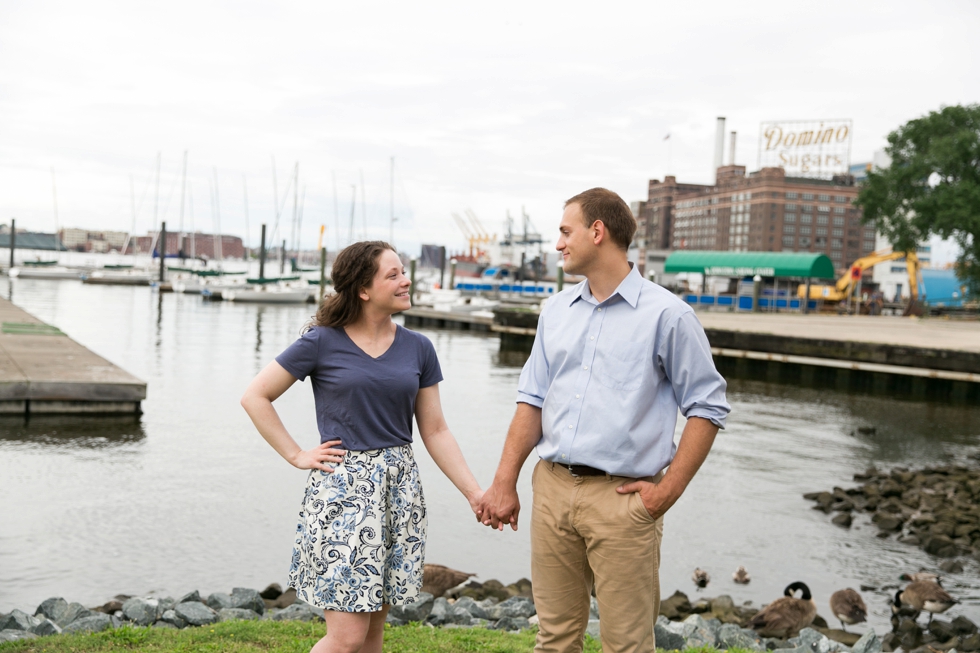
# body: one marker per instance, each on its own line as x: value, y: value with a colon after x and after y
x: 719, y: 145
x: 731, y: 150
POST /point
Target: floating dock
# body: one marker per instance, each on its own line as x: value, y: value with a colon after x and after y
x: 44, y: 371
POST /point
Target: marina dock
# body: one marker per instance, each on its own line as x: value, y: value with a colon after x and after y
x: 44, y: 371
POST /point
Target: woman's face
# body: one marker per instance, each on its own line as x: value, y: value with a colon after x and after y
x: 389, y: 291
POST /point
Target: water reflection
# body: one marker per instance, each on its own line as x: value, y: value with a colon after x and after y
x: 87, y: 432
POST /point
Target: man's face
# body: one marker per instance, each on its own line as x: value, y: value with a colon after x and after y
x: 576, y: 242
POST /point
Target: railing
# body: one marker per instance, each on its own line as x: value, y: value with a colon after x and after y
x: 744, y: 302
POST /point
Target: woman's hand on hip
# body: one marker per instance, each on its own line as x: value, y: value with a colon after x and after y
x: 322, y: 457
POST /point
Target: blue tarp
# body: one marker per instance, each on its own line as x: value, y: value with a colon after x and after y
x: 942, y: 288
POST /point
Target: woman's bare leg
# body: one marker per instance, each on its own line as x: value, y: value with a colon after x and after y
x: 349, y: 632
x: 376, y: 632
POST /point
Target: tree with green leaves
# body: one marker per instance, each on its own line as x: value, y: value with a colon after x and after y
x: 931, y: 187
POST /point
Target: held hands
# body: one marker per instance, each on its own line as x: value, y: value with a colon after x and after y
x: 656, y: 497
x: 320, y: 457
x: 500, y: 505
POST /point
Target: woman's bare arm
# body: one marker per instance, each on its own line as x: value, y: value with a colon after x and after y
x: 265, y: 388
x: 442, y: 446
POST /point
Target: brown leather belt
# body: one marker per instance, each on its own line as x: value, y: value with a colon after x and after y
x: 582, y: 470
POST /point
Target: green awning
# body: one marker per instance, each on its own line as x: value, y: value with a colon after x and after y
x: 749, y: 264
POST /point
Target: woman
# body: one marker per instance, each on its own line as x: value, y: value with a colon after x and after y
x: 361, y: 535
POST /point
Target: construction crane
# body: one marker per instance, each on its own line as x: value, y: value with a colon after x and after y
x: 847, y: 285
x: 471, y: 238
x: 483, y: 235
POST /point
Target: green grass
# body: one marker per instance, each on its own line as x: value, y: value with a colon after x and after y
x: 285, y: 637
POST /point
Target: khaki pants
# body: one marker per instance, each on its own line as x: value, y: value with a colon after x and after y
x: 584, y: 532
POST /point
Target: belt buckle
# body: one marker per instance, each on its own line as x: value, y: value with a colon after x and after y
x: 572, y: 471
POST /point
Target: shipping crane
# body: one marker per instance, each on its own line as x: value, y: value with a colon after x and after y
x: 847, y: 285
x: 468, y: 234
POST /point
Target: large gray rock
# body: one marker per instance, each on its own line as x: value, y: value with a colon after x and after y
x: 592, y: 629
x: 667, y: 640
x: 869, y: 643
x: 142, y: 612
x: 93, y: 624
x: 196, y: 614
x: 11, y: 635
x: 515, y: 606
x: 166, y: 604
x: 459, y: 615
x: 732, y: 636
x: 53, y: 608
x: 417, y: 611
x: 247, y: 599
x: 511, y: 623
x: 164, y: 624
x: 46, y: 627
x: 472, y: 608
x: 296, y: 612
x: 439, y: 614
x: 74, y: 612
x: 190, y: 596
x: 701, y: 633
x: 170, y: 616
x: 806, y: 639
x: 19, y: 620
x: 219, y: 601
x: 237, y: 614
x: 593, y: 608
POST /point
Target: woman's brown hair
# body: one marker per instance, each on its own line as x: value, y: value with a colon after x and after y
x: 353, y: 270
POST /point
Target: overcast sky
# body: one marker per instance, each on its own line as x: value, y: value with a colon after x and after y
x: 487, y: 106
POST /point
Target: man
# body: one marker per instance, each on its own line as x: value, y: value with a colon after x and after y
x: 613, y: 359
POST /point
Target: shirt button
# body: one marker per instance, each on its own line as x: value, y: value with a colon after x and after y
x: 600, y: 310
x: 591, y: 337
x: 585, y: 367
x: 563, y: 455
x: 569, y: 426
x: 577, y: 396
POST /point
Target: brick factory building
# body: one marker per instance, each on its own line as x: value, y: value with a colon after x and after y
x: 193, y: 245
x: 765, y: 211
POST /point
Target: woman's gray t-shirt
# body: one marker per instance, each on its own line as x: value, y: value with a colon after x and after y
x: 366, y: 403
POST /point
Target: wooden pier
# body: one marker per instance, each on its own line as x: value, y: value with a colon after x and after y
x: 44, y: 371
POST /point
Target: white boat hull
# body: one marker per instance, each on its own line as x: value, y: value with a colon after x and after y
x: 44, y: 273
x: 266, y: 296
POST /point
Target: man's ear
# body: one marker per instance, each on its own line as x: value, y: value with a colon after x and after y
x: 598, y: 230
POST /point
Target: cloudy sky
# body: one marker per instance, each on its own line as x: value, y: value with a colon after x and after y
x: 486, y: 106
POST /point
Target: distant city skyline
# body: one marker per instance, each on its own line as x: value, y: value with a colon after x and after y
x: 487, y: 108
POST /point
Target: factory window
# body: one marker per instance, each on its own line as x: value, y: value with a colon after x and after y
x: 836, y: 243
x: 838, y: 232
x: 788, y: 241
x: 836, y: 256
x: 804, y: 231
x: 824, y: 198
x: 852, y: 244
x: 804, y: 242
x: 838, y: 222
x: 775, y: 194
x: 840, y: 199
x: 820, y: 241
x: 790, y: 207
x: 806, y: 219
x: 821, y: 219
x: 807, y: 196
x: 821, y: 231
x: 808, y: 208
x: 869, y: 233
x: 839, y: 210
x: 869, y: 245
x: 791, y: 196
x: 789, y: 229
x: 789, y: 217
x: 823, y: 209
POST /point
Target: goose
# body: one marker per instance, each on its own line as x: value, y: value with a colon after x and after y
x: 700, y: 578
x: 922, y: 575
x: 901, y: 611
x: 848, y: 606
x: 741, y: 576
x: 787, y: 615
x: 926, y: 595
x: 437, y: 579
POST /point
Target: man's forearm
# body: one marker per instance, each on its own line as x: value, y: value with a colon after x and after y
x: 696, y: 440
x: 523, y: 435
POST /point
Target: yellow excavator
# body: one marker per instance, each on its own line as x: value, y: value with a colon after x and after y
x: 847, y: 285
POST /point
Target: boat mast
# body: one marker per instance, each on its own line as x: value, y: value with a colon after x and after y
x: 336, y: 210
x: 248, y: 233
x: 295, y: 209
x: 353, y: 201
x: 183, y: 192
x: 391, y: 199
x: 217, y: 218
x: 363, y: 204
x: 54, y: 197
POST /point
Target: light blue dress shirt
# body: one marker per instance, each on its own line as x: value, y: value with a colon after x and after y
x: 610, y: 376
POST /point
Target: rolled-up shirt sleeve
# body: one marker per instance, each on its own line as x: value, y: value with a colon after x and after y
x: 535, y: 379
x: 685, y: 357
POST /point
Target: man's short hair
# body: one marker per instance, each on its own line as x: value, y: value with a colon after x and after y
x: 607, y: 206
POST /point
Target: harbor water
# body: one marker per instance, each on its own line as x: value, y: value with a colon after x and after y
x: 188, y: 496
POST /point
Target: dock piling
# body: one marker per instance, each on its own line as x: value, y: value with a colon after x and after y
x: 13, y: 243
x: 163, y: 251
x: 262, y: 255
x: 411, y: 276
x: 323, y: 272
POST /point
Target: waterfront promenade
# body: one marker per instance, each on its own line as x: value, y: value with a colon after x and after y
x: 44, y: 371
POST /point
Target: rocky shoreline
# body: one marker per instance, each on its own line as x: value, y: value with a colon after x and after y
x: 934, y: 508
x: 717, y: 622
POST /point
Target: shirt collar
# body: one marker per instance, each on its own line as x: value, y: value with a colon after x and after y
x: 628, y: 289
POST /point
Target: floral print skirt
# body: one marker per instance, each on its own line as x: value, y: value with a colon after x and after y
x: 360, y: 542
